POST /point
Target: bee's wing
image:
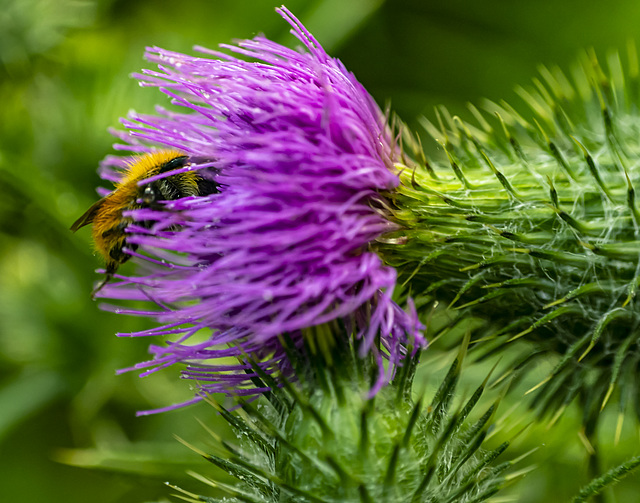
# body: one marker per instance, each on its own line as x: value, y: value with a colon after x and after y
x: 88, y: 216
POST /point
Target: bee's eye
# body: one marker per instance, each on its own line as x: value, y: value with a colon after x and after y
x: 148, y: 195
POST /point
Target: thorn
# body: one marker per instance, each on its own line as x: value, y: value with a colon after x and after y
x: 556, y: 416
x: 586, y: 352
x: 607, y: 396
x: 619, y: 427
x: 517, y: 336
x: 541, y: 383
x: 585, y: 441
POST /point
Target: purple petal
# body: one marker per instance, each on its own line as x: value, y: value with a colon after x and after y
x: 303, y: 157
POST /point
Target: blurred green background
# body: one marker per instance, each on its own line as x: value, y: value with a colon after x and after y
x: 64, y: 79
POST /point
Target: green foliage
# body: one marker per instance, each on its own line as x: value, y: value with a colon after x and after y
x: 324, y: 440
x: 532, y: 224
x: 611, y: 477
x: 64, y: 69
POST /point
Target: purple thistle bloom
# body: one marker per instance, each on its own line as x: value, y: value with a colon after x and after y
x: 301, y: 153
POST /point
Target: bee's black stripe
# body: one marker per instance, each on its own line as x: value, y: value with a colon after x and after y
x: 175, y: 163
x: 206, y: 187
x: 117, y: 230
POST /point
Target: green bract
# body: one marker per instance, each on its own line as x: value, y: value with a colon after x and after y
x: 323, y: 441
x: 530, y: 222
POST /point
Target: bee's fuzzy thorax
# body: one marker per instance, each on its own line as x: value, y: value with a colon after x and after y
x: 109, y: 215
x: 145, y: 166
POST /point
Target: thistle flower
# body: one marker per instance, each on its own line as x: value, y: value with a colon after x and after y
x: 329, y: 443
x: 302, y: 157
x: 532, y: 226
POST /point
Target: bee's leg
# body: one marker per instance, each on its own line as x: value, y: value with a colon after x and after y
x: 106, y: 280
x: 111, y: 269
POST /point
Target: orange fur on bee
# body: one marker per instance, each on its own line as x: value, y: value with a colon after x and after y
x: 125, y: 197
x: 106, y: 215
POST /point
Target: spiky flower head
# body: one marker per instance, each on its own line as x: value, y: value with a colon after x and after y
x: 325, y: 441
x: 302, y: 156
x: 532, y: 226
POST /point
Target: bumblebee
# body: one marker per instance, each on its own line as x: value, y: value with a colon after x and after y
x: 106, y: 215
